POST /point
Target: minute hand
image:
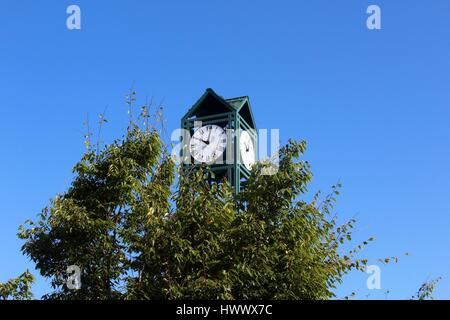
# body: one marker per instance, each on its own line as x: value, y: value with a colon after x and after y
x: 209, y: 136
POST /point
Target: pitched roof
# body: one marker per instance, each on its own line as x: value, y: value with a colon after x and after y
x: 237, y: 102
x: 217, y: 104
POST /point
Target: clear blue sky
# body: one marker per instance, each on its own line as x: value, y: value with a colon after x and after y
x: 374, y: 106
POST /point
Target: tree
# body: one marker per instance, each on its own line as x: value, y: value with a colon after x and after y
x: 18, y: 288
x: 134, y: 237
x: 426, y: 290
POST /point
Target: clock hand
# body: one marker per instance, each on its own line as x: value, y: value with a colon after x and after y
x: 205, y: 142
x: 209, y: 136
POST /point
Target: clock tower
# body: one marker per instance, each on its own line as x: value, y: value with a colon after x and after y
x: 221, y: 133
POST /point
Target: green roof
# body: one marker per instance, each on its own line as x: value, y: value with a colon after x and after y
x: 237, y: 102
x: 217, y: 104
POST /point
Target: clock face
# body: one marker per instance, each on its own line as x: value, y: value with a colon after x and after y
x: 247, y: 150
x: 208, y: 143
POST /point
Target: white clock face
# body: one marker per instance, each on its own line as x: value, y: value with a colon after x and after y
x: 208, y: 143
x: 247, y: 150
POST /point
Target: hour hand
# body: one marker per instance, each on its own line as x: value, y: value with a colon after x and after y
x: 205, y: 142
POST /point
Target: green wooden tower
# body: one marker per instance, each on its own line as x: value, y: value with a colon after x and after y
x: 221, y: 133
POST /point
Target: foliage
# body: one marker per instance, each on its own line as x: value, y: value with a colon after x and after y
x: 18, y: 288
x: 426, y: 290
x: 133, y: 237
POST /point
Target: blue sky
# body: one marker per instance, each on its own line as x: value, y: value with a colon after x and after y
x: 374, y: 106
